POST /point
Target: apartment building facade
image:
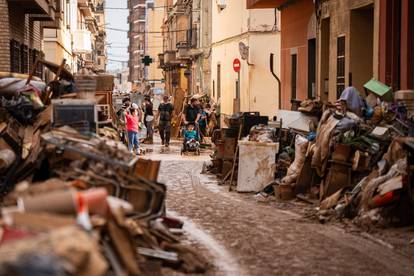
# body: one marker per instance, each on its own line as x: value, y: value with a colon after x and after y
x: 155, y: 14
x: 21, y: 33
x: 137, y: 40
x: 186, y: 54
x: 355, y: 41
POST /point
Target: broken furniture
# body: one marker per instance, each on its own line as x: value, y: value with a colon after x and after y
x: 79, y: 114
x: 97, y: 87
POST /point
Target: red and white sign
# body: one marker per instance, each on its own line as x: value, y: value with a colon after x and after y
x: 236, y: 65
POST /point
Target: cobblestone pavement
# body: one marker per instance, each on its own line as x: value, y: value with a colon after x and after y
x: 242, y: 237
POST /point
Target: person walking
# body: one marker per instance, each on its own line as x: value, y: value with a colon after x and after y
x: 149, y: 119
x: 203, y: 122
x: 191, y: 113
x: 126, y: 104
x: 164, y: 116
x: 132, y: 125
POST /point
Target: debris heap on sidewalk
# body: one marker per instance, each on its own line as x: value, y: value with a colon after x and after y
x: 77, y: 204
x: 352, y: 158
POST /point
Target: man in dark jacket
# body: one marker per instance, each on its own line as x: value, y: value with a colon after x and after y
x: 191, y: 112
x: 165, y: 111
x: 148, y: 119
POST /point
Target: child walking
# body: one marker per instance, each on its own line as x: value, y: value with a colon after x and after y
x: 132, y: 124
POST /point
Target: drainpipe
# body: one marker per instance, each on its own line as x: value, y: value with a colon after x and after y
x: 277, y: 79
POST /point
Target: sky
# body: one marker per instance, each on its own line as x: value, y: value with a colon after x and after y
x: 117, y: 47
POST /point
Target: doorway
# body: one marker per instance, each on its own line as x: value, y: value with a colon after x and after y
x: 311, y: 68
x: 361, y: 46
x: 293, y: 75
x: 325, y: 53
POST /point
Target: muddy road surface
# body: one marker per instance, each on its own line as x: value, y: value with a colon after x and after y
x: 242, y: 237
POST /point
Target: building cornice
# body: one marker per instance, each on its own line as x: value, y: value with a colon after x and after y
x: 242, y: 36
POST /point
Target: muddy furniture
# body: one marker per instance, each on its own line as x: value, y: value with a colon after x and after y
x: 256, y: 165
x: 77, y: 113
x: 339, y: 176
x: 98, y: 88
x: 134, y: 180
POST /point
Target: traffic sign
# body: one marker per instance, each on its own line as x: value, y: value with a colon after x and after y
x: 236, y: 65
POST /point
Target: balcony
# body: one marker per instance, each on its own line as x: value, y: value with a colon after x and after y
x: 82, y: 41
x: 183, y: 50
x: 264, y: 4
x: 170, y: 58
x: 57, y: 23
x: 83, y: 3
x: 91, y: 24
x: 34, y: 6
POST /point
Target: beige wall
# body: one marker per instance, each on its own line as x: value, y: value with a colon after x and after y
x: 258, y: 88
x: 57, y: 45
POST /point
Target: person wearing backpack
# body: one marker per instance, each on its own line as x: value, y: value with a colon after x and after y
x: 164, y: 115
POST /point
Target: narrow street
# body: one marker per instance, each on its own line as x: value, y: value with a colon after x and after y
x: 242, y: 237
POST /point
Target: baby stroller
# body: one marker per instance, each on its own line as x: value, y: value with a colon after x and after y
x: 191, y: 141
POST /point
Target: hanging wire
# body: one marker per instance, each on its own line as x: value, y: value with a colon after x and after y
x: 148, y: 7
x: 116, y: 60
x: 150, y: 32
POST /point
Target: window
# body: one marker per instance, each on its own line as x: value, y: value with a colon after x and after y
x: 311, y: 68
x: 340, y: 66
x: 293, y: 77
x: 214, y: 88
x: 24, y: 59
x: 31, y: 61
x: 39, y: 69
x: 14, y: 56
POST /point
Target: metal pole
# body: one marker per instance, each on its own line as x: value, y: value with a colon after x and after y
x: 278, y: 80
x: 238, y: 91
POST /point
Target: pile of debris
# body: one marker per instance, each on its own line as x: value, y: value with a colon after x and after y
x: 78, y: 204
x: 351, y: 158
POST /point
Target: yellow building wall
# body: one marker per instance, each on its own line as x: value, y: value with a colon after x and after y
x: 155, y: 41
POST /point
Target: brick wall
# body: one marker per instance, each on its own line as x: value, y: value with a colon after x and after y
x: 16, y: 25
x: 4, y: 37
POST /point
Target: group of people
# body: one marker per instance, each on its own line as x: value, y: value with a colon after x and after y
x: 197, y: 115
x: 133, y: 118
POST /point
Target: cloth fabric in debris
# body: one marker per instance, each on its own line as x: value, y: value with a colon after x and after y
x: 301, y: 146
x: 80, y: 256
x: 353, y: 100
x: 9, y: 87
x: 321, y: 152
x: 375, y: 185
